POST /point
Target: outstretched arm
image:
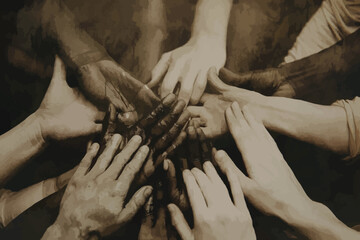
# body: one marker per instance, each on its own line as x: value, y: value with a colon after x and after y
x: 189, y: 63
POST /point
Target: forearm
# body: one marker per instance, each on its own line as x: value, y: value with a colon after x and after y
x: 319, y: 223
x: 211, y: 19
x: 314, y: 73
x: 19, y: 145
x: 60, y: 24
x: 324, y: 126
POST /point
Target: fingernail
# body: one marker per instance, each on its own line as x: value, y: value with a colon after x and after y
x: 170, y: 207
x: 207, y: 164
x: 137, y: 138
x: 186, y: 173
x: 115, y: 138
x: 166, y: 165
x: 148, y: 191
x: 94, y: 147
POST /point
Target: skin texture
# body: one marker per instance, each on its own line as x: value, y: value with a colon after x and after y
x: 101, y: 79
x: 98, y: 194
x: 194, y: 152
x: 270, y: 81
x: 189, y: 63
x: 271, y: 186
x: 216, y: 216
x: 211, y: 115
x: 64, y: 111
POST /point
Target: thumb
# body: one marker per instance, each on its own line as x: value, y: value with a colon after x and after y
x: 215, y: 82
x: 179, y: 222
x: 231, y: 78
x: 59, y: 73
x: 135, y: 203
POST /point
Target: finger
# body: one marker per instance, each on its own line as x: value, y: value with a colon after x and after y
x: 136, y: 202
x: 187, y: 86
x: 237, y: 125
x: 170, y: 79
x: 214, y: 82
x: 206, y: 187
x: 164, y: 124
x: 174, y: 131
x: 59, y: 74
x: 231, y: 78
x: 211, y: 173
x: 176, y: 143
x: 193, y: 148
x: 172, y: 181
x: 86, y: 161
x: 205, y: 97
x: 195, y: 111
x: 95, y: 128
x: 111, y: 123
x: 160, y: 110
x: 128, y: 118
x: 200, y: 121
x: 256, y: 125
x: 239, y: 115
x: 131, y: 169
x: 195, y: 195
x: 236, y: 191
x: 179, y: 222
x: 159, y: 70
x: 124, y: 156
x: 226, y: 164
x: 199, y: 87
x: 205, y: 146
x: 107, y: 155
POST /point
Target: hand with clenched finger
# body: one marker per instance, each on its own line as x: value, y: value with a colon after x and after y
x: 94, y: 201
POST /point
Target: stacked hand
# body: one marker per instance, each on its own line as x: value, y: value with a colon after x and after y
x: 216, y: 216
x: 211, y: 114
x: 270, y: 81
x: 188, y: 65
x: 106, y: 82
x: 271, y: 186
x: 94, y: 201
x: 64, y: 112
x: 195, y: 151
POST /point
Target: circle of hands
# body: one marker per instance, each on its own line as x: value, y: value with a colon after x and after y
x: 167, y: 157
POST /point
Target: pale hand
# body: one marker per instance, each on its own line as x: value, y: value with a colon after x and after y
x: 215, y: 215
x: 211, y: 115
x: 188, y: 65
x: 94, y: 200
x: 64, y: 112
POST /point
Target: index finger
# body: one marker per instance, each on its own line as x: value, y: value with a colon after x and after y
x: 195, y: 195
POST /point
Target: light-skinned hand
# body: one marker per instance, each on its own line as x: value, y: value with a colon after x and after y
x: 94, y: 200
x: 188, y: 65
x: 64, y: 112
x: 216, y: 216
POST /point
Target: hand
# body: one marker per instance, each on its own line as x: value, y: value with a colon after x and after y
x: 211, y: 115
x: 105, y: 81
x: 270, y: 81
x: 188, y: 65
x: 232, y: 94
x: 94, y: 201
x: 215, y: 215
x: 271, y: 186
x: 195, y: 151
x: 64, y: 112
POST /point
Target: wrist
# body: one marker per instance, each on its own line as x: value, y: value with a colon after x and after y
x: 34, y: 130
x: 210, y: 38
x: 59, y: 230
x: 317, y: 220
